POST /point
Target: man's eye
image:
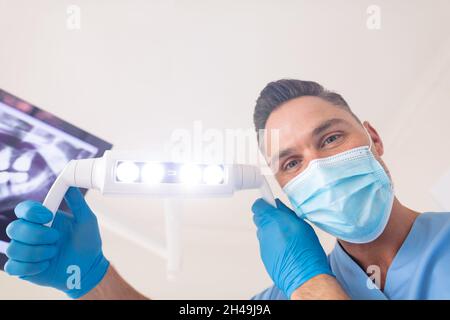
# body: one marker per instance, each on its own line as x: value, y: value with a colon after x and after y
x: 331, y: 139
x: 291, y: 164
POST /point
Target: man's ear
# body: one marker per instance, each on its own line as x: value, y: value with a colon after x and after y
x: 377, y: 142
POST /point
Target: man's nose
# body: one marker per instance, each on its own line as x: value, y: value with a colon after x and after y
x: 310, y: 155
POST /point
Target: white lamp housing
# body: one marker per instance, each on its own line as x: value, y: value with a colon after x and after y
x: 124, y: 173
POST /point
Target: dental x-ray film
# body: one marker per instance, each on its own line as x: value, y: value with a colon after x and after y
x: 34, y: 148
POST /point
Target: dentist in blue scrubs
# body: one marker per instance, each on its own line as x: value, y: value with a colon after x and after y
x: 330, y: 165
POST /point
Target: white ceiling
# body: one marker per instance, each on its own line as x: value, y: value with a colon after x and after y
x: 137, y: 70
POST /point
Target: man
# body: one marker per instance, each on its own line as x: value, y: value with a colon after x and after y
x: 329, y: 164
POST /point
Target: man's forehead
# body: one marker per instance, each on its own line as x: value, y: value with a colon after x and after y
x: 304, y: 113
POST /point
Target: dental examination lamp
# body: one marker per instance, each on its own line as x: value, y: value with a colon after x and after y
x: 133, y: 174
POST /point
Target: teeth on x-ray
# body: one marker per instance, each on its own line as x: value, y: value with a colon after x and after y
x: 33, y: 184
x: 21, y: 166
x: 4, y: 177
x: 5, y: 157
x: 23, y: 163
x: 18, y: 177
x: 13, y: 177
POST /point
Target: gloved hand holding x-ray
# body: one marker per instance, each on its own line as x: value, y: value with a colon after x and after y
x: 35, y: 146
x: 46, y: 256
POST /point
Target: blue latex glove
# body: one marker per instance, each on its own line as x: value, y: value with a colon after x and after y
x: 51, y: 256
x: 289, y: 247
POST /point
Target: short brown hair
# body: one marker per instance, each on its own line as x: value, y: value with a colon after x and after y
x: 278, y: 92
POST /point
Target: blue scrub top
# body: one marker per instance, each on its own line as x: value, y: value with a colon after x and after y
x: 420, y: 269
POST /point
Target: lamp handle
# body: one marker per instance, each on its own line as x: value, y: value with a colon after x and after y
x: 266, y: 192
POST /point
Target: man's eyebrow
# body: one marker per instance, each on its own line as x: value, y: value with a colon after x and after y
x: 326, y: 125
x: 282, y: 154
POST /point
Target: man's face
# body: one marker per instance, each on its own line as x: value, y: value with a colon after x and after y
x: 311, y: 128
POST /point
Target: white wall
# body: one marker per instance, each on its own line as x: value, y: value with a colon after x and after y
x: 136, y: 70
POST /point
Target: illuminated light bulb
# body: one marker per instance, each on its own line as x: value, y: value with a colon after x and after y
x: 213, y: 174
x: 127, y: 172
x: 190, y: 174
x: 153, y: 173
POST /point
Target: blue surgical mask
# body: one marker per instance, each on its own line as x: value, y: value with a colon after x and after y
x: 348, y: 195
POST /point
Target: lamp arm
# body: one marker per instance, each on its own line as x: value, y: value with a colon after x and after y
x: 59, y: 188
x: 266, y: 192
